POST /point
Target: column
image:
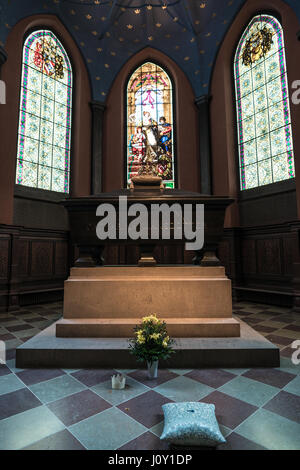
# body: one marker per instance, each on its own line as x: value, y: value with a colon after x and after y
x: 97, y: 144
x: 3, y: 57
x: 202, y: 103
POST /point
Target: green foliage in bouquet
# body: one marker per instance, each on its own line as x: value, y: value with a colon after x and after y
x: 151, y: 341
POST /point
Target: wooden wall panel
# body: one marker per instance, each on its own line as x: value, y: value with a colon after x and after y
x: 42, y: 258
x: 61, y: 258
x: 33, y: 265
x: 4, y: 258
x: 249, y: 256
x: 269, y: 256
x: 24, y: 249
x: 224, y: 255
x: 267, y: 261
x: 288, y: 255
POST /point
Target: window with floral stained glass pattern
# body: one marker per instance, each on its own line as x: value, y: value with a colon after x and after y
x: 150, y: 132
x: 262, y: 101
x: 44, y: 138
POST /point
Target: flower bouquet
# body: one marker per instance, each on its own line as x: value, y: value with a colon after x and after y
x: 151, y: 343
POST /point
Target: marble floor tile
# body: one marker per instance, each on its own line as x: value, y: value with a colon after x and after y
x: 28, y: 427
x: 183, y: 389
x: 108, y: 430
x: 55, y: 389
x: 75, y: 408
x: 115, y: 397
x: 10, y: 383
x: 271, y: 431
x: 250, y: 391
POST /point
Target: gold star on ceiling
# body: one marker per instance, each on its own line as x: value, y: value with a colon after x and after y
x: 130, y: 27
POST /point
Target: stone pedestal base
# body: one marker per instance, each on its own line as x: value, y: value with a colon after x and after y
x: 109, y: 301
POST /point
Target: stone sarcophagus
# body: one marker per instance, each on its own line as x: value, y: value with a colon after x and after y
x: 103, y: 301
x: 83, y: 222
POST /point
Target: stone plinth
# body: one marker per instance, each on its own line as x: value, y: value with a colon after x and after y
x: 109, y: 301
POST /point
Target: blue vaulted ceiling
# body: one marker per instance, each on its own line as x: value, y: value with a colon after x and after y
x: 109, y: 32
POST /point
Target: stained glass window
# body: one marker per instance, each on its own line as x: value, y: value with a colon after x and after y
x: 44, y: 138
x: 262, y: 102
x: 150, y: 132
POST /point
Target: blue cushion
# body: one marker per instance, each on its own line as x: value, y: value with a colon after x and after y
x: 191, y: 424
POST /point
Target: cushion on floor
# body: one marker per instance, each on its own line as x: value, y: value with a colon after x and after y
x: 191, y: 424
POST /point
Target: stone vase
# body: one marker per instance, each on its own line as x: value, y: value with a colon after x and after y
x: 152, y: 369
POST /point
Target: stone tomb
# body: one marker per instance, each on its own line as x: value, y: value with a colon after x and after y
x: 109, y: 301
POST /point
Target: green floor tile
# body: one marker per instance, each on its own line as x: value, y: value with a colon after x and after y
x: 57, y: 388
x: 250, y: 391
x: 24, y: 429
x: 108, y: 430
x: 271, y: 431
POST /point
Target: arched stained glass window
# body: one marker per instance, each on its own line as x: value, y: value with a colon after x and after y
x: 262, y: 101
x: 150, y: 129
x: 44, y: 139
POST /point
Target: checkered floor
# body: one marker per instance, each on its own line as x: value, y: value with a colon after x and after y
x: 76, y: 409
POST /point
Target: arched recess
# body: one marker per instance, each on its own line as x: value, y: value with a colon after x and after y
x: 9, y: 114
x: 223, y: 110
x: 185, y: 125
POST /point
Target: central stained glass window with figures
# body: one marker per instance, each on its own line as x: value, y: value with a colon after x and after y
x: 150, y: 130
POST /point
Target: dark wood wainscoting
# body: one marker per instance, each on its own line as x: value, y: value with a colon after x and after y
x: 33, y: 265
x: 263, y: 262
x: 129, y: 255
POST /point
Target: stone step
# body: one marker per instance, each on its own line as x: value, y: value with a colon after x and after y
x: 123, y: 327
x: 46, y: 350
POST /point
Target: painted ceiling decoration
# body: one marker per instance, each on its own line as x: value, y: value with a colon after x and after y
x: 109, y: 32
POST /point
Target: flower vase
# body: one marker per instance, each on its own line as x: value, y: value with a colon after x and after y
x: 152, y: 369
